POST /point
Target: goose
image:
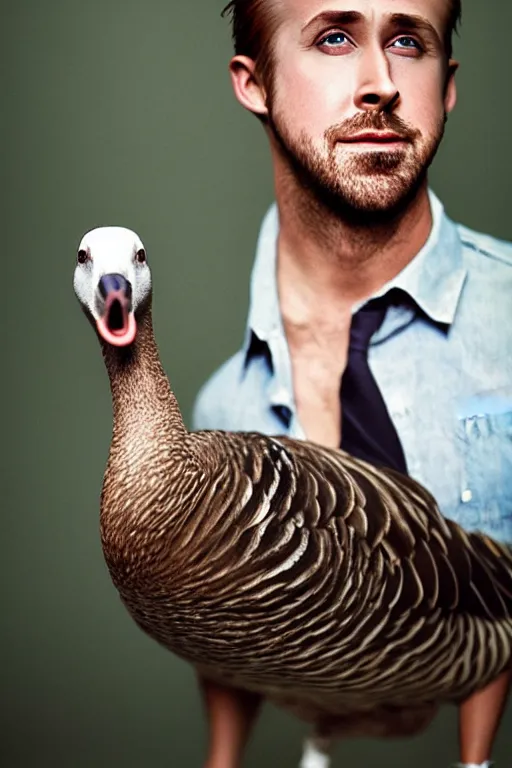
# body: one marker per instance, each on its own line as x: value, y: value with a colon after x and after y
x: 277, y: 567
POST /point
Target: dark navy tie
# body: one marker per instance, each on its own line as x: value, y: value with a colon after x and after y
x: 367, y: 431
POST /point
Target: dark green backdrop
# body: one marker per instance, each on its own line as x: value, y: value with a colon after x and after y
x: 122, y: 113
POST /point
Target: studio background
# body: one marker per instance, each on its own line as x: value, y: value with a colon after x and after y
x: 122, y: 113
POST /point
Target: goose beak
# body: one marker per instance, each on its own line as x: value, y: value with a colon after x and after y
x: 116, y: 321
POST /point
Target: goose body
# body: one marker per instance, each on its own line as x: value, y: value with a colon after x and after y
x: 300, y: 573
x: 332, y: 588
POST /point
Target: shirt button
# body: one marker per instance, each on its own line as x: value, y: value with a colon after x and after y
x: 466, y: 495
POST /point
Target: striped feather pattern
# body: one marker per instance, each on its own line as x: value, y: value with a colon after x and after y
x: 295, y: 570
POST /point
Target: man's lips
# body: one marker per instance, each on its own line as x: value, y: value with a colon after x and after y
x: 373, y: 137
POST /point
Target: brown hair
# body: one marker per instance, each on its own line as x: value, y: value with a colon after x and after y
x: 254, y: 23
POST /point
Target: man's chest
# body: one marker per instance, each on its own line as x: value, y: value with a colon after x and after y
x: 316, y: 384
x: 317, y: 364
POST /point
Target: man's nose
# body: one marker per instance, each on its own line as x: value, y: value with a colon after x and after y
x: 375, y: 87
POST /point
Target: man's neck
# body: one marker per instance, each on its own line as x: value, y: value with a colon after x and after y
x: 327, y: 263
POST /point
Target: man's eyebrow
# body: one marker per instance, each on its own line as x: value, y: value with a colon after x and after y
x: 412, y: 23
x: 334, y: 17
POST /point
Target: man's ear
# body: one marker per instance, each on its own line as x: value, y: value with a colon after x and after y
x: 247, y: 86
x: 450, y: 90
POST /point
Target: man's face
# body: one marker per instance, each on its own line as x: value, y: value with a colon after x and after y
x: 359, y: 96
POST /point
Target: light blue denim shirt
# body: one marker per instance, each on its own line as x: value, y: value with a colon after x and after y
x: 446, y: 377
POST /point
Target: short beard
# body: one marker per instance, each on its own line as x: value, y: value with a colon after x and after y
x: 373, y: 188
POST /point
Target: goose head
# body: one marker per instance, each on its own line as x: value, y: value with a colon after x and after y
x: 112, y: 282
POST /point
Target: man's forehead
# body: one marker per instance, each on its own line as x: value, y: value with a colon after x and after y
x: 303, y: 11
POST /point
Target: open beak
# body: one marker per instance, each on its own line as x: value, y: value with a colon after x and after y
x: 116, y: 321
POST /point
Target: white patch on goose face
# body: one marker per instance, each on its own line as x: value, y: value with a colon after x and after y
x: 110, y: 249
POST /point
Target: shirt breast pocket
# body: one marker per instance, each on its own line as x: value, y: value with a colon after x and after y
x: 485, y: 442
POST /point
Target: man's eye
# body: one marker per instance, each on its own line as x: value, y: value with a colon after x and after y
x: 407, y: 42
x: 334, y: 40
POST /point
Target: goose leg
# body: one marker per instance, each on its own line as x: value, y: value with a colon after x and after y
x: 230, y: 713
x: 479, y: 718
x: 316, y: 753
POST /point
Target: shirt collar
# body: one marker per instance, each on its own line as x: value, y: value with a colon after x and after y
x: 436, y: 275
x: 264, y: 313
x: 434, y: 278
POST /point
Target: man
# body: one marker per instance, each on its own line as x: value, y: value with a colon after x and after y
x: 353, y: 96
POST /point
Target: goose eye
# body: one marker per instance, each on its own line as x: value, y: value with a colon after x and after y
x: 141, y: 256
x: 82, y: 256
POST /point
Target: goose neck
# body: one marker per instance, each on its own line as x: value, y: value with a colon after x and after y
x: 141, y: 393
